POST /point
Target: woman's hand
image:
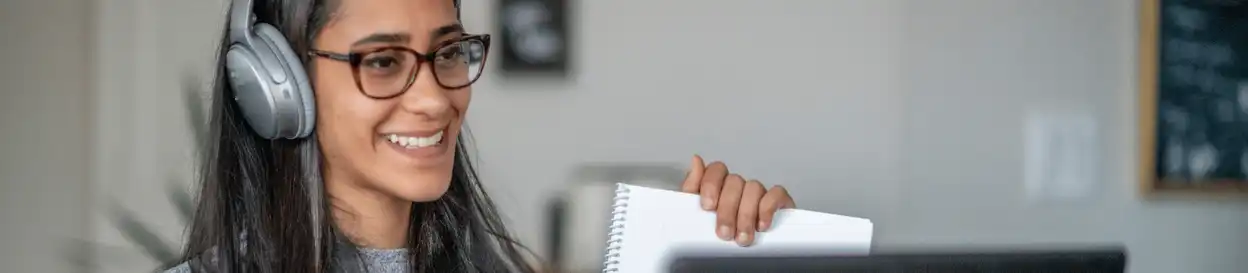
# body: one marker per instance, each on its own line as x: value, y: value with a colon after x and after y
x: 743, y: 207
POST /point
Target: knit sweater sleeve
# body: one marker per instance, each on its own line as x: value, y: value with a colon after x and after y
x: 200, y: 263
x: 180, y: 268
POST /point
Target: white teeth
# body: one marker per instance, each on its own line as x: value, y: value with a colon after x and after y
x: 415, y: 142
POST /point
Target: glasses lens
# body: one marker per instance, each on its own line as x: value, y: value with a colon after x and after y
x: 387, y: 72
x: 459, y: 64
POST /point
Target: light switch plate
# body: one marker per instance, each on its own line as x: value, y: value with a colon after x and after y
x: 1061, y: 157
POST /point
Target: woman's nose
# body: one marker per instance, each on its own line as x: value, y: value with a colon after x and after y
x: 425, y: 96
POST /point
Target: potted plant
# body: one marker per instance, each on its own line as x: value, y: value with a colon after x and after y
x: 140, y: 234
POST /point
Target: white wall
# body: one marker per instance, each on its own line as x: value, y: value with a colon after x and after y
x: 973, y: 70
x: 45, y: 133
x: 904, y: 111
x: 143, y: 145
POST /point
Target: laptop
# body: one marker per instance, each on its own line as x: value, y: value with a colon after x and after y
x: 1085, y: 260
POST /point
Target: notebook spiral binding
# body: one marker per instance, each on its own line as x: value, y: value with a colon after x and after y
x: 615, y: 236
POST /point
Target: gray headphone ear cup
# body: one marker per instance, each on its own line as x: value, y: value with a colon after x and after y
x: 294, y: 68
x: 253, y: 90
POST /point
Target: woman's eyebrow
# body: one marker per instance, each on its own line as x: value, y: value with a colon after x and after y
x: 384, y: 38
x: 403, y: 38
x: 446, y: 30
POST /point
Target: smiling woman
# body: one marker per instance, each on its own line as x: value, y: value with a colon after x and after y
x: 384, y: 182
x: 396, y: 181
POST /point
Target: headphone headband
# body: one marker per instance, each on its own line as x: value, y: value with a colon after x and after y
x: 241, y: 20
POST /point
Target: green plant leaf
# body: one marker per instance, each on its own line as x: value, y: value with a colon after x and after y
x: 141, y: 235
x: 193, y: 98
x: 181, y: 200
x: 128, y: 223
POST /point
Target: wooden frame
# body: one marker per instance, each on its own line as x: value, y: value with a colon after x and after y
x: 534, y: 38
x: 1150, y: 183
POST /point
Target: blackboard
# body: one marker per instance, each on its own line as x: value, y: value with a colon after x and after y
x: 1199, y: 89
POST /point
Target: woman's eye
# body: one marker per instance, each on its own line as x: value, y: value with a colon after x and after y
x: 385, y: 63
x: 381, y: 62
x: 449, y: 53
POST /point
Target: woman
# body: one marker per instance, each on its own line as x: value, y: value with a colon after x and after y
x: 386, y: 167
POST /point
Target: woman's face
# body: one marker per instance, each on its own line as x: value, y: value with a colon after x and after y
x: 404, y: 145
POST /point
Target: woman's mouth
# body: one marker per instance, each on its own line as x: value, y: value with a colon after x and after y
x: 416, y: 142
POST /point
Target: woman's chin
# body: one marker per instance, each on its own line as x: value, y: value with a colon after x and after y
x: 422, y: 190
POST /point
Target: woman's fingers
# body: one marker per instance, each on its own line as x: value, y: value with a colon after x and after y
x: 747, y: 215
x: 728, y: 207
x: 774, y: 200
x: 693, y: 179
x: 712, y: 183
x: 741, y: 207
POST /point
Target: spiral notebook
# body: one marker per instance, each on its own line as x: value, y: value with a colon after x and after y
x: 651, y: 227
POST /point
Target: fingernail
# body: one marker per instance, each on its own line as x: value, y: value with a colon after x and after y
x: 724, y: 233
x: 707, y: 204
x: 743, y: 239
x: 762, y: 226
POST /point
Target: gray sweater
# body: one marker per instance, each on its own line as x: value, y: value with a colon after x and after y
x: 375, y: 260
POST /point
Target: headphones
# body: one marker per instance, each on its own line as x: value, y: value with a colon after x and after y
x: 270, y: 84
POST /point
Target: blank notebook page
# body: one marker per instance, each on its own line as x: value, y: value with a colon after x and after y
x: 651, y: 227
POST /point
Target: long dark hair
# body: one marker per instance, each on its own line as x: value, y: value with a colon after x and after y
x: 255, y: 214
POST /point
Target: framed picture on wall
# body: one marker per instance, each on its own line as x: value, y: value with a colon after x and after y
x: 534, y: 37
x: 1193, y: 96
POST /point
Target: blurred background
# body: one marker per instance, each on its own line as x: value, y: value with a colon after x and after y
x: 912, y: 113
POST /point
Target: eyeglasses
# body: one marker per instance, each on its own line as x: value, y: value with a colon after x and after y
x: 389, y: 71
